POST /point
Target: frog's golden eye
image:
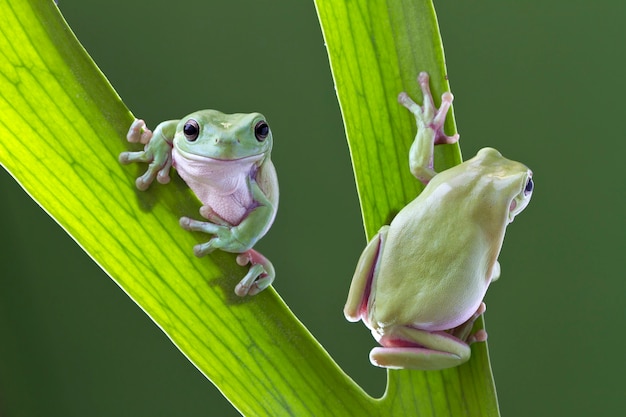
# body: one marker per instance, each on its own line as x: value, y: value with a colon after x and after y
x: 191, y: 130
x: 261, y: 130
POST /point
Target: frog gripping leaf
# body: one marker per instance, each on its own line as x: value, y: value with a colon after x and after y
x: 225, y: 160
x: 420, y: 282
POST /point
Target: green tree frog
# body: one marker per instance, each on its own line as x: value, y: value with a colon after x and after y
x: 420, y: 282
x: 225, y: 160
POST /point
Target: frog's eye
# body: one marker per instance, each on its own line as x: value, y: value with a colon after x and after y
x: 261, y: 130
x: 191, y: 130
x: 529, y: 187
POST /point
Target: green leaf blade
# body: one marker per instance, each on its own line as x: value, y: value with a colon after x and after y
x: 376, y: 50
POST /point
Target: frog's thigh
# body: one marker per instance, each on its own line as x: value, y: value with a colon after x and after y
x: 432, y: 350
x: 363, y: 275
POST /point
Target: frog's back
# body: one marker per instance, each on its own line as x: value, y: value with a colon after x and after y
x: 444, y: 253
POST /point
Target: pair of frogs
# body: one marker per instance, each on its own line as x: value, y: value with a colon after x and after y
x: 418, y: 285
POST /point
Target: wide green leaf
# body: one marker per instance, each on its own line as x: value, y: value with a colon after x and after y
x: 71, y: 128
x: 62, y: 127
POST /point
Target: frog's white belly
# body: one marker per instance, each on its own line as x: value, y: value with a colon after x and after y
x: 221, y: 185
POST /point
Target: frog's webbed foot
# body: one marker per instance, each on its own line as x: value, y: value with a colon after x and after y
x: 260, y: 275
x: 222, y: 238
x: 156, y: 154
x: 430, y: 121
x: 428, y: 116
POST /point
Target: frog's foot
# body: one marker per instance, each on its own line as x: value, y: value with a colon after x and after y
x: 428, y: 116
x: 225, y: 236
x: 464, y: 331
x: 430, y: 121
x: 409, y: 348
x: 155, y: 170
x: 202, y: 249
x: 159, y: 165
x: 260, y: 275
x: 137, y: 133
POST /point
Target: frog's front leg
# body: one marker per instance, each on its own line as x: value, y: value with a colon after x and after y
x: 430, y: 121
x: 157, y: 152
x: 239, y: 239
x: 410, y: 348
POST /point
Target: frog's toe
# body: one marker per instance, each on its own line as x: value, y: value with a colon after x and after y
x: 409, y: 104
x: 124, y: 158
x: 185, y: 223
x: 423, y: 79
x: 243, y: 259
x: 138, y: 132
x: 135, y: 130
x: 442, y: 138
x: 128, y: 157
x: 259, y: 285
x: 202, y: 249
x: 142, y: 183
x: 163, y: 177
x: 255, y: 281
x: 479, y: 336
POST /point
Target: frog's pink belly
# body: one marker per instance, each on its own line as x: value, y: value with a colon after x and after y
x: 233, y: 208
x: 221, y: 185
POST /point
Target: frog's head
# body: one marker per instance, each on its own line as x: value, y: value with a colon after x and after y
x: 512, y: 180
x: 212, y: 134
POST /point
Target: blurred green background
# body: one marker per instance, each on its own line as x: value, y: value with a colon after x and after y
x: 541, y: 81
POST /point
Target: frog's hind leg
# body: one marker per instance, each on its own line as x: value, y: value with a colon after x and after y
x: 409, y: 348
x: 363, y: 278
x: 259, y: 276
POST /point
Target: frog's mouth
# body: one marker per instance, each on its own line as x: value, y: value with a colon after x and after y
x: 518, y: 204
x: 212, y: 160
x: 521, y: 200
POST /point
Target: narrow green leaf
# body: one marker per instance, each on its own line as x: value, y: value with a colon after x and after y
x: 377, y: 49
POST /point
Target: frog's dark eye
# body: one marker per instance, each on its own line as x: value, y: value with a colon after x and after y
x: 261, y: 130
x: 191, y: 130
x: 529, y: 187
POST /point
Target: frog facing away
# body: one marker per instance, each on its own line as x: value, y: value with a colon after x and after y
x: 420, y: 282
x: 225, y: 160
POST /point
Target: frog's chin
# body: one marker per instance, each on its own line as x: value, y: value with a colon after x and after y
x: 212, y: 160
